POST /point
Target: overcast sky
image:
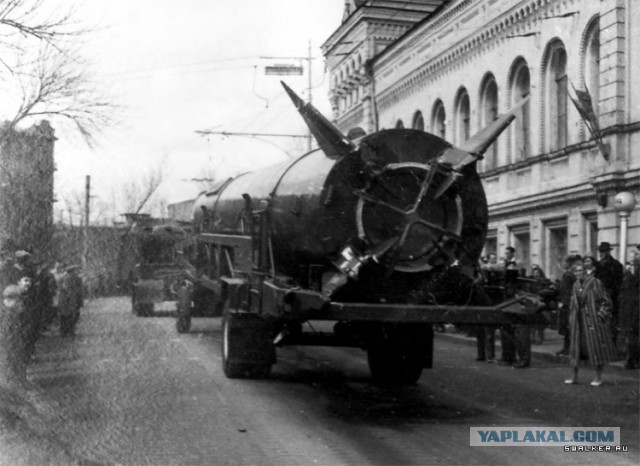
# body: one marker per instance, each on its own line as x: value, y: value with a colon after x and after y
x: 178, y: 66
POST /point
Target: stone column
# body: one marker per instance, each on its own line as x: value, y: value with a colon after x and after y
x: 613, y: 62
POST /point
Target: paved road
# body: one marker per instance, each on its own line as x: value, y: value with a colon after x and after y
x: 130, y: 390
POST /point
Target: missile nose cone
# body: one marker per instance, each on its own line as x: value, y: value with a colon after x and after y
x: 297, y: 101
x: 332, y: 142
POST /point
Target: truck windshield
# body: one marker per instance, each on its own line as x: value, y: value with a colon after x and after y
x: 158, y: 251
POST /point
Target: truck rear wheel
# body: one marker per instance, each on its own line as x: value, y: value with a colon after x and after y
x: 394, y: 365
x: 247, y: 348
x: 397, y: 357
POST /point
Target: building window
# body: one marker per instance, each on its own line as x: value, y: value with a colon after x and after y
x: 491, y: 243
x: 489, y: 113
x: 463, y: 117
x: 520, y: 129
x: 555, y: 247
x: 438, y: 120
x: 592, y: 68
x: 590, y: 245
x: 399, y: 124
x: 557, y: 81
x: 520, y: 239
x: 418, y: 121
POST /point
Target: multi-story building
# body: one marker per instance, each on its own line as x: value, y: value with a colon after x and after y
x: 450, y: 67
x: 26, y: 188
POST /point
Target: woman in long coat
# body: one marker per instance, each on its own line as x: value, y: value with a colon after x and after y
x: 589, y: 322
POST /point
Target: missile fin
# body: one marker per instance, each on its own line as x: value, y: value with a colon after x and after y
x: 480, y: 142
x: 332, y: 142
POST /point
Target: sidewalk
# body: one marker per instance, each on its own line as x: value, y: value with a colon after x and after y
x: 546, y: 351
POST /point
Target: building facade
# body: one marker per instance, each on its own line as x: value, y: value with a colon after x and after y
x: 451, y: 67
x: 26, y: 188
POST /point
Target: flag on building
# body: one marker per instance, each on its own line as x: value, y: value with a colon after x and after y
x: 584, y: 105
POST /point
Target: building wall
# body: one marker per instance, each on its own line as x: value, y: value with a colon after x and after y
x: 26, y: 188
x: 546, y: 202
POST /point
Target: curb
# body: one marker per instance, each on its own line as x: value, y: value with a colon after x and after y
x: 536, y: 353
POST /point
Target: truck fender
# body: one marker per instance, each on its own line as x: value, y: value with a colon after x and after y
x: 237, y: 292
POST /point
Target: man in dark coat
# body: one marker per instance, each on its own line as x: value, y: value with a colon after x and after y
x: 12, y: 345
x: 45, y: 292
x: 610, y: 273
x: 629, y: 314
x: 71, y: 300
x: 23, y: 274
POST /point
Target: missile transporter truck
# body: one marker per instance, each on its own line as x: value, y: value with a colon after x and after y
x: 378, y: 236
x: 156, y: 276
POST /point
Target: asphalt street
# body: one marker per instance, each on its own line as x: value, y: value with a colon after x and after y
x: 131, y: 390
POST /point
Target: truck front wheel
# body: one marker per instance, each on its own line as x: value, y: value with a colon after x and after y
x: 183, y: 323
x: 247, y: 348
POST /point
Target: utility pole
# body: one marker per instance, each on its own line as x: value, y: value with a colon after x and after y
x: 310, y: 139
x: 287, y: 70
x: 85, y: 239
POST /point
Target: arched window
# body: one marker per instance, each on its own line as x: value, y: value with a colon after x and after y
x: 418, y: 121
x: 556, y: 97
x: 399, y: 124
x: 488, y: 114
x: 439, y: 120
x: 521, y: 88
x: 592, y: 67
x: 463, y: 116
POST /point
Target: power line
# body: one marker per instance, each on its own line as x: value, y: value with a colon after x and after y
x: 207, y: 132
x: 183, y: 72
x: 183, y: 65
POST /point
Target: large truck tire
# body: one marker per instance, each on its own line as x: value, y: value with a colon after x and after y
x: 398, y: 357
x: 183, y: 321
x: 247, y: 345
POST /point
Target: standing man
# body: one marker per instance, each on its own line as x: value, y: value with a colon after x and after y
x: 629, y: 307
x: 25, y: 269
x: 610, y: 272
x: 509, y: 269
x: 70, y: 301
x: 45, y: 293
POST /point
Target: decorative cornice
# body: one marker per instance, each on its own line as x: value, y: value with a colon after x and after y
x: 606, y: 184
x: 487, y: 37
x: 551, y: 156
x: 535, y: 203
x: 409, y: 42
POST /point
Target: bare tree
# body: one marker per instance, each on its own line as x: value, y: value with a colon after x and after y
x: 30, y: 19
x: 138, y: 192
x: 42, y: 68
x: 59, y: 86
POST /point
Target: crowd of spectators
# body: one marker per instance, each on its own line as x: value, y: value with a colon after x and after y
x: 594, y: 305
x: 36, y: 299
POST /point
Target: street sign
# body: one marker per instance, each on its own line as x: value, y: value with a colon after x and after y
x: 283, y: 70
